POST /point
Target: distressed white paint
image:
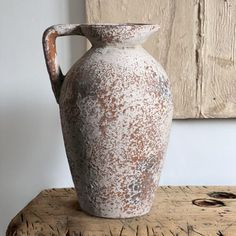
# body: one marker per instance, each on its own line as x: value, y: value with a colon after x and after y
x: 116, y: 111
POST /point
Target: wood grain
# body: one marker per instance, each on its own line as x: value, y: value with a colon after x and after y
x: 218, y: 98
x: 57, y: 212
x: 174, y: 46
x: 195, y: 45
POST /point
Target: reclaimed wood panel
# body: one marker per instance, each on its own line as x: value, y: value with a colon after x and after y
x: 218, y: 98
x: 183, y: 210
x: 174, y: 46
x: 195, y: 45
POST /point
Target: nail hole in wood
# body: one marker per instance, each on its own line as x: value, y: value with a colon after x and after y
x: 222, y: 195
x: 208, y: 203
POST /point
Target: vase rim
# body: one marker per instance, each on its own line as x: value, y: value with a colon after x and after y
x: 119, y: 24
x: 128, y: 34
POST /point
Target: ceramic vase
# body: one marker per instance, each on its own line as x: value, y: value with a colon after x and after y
x: 116, y: 111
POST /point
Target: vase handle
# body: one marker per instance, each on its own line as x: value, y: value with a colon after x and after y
x: 50, y: 53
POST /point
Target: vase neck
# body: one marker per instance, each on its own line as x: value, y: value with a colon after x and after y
x: 118, y: 34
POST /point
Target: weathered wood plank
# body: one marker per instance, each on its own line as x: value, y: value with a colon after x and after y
x: 196, y: 45
x: 218, y: 98
x: 176, y: 211
x: 174, y: 46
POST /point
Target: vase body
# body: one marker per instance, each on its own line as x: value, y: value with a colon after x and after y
x: 116, y: 111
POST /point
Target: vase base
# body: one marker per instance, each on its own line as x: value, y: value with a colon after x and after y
x: 110, y: 214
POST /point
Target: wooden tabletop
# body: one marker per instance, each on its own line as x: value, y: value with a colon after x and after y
x: 176, y: 211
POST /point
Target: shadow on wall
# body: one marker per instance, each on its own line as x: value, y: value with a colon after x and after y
x: 77, y: 43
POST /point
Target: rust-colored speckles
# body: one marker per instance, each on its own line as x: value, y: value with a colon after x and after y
x: 49, y: 46
x: 50, y: 49
x: 116, y: 112
x: 108, y: 108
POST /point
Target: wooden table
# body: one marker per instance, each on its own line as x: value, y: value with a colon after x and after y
x: 176, y: 211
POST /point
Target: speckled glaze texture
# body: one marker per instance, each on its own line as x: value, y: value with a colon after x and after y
x: 116, y: 111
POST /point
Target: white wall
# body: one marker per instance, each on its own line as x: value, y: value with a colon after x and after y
x: 32, y: 155
x: 201, y: 152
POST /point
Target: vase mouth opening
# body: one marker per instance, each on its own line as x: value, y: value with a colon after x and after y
x: 118, y: 24
x: 115, y: 33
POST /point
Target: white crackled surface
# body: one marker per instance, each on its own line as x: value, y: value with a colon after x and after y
x: 116, y: 112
